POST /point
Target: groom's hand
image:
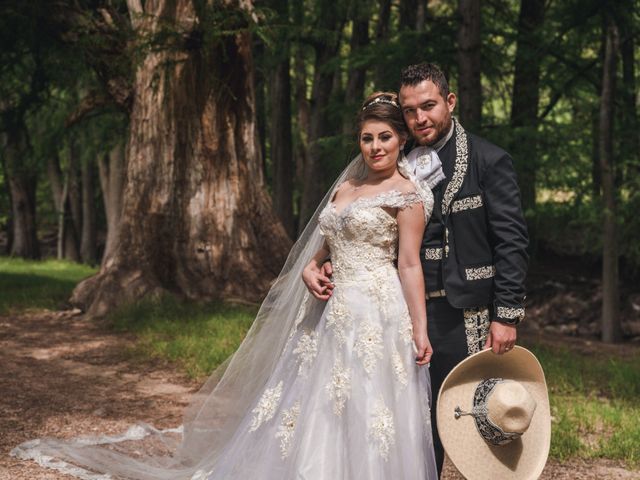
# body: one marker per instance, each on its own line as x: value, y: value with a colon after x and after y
x: 501, y: 338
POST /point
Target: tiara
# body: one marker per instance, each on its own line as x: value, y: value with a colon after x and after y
x: 381, y: 99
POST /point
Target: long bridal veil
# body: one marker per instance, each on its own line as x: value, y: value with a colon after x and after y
x: 217, y: 410
x: 145, y: 453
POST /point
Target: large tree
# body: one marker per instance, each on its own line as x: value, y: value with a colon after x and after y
x: 469, y: 79
x: 526, y: 95
x: 196, y: 220
x: 611, y: 331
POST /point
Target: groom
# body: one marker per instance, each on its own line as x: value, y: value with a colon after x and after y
x: 474, y: 248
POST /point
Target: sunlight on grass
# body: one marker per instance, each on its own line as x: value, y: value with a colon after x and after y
x: 196, y: 337
x: 594, y: 404
x: 38, y: 284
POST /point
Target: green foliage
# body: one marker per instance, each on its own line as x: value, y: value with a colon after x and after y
x: 594, y: 403
x: 26, y: 284
x: 198, y: 337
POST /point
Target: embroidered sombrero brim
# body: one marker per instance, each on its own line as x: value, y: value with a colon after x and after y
x: 475, y: 459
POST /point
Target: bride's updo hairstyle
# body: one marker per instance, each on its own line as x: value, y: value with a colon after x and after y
x: 383, y: 107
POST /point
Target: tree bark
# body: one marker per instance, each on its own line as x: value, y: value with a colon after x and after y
x: 469, y: 85
x: 88, y: 239
x: 22, y: 181
x: 630, y: 136
x: 314, y: 188
x: 381, y: 36
x: 196, y: 218
x: 67, y: 244
x: 357, y: 73
x: 74, y: 190
x: 280, y: 133
x: 611, y: 331
x: 526, y: 96
x: 112, y: 169
x: 408, y: 14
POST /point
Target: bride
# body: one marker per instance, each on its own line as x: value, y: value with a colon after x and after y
x: 329, y: 382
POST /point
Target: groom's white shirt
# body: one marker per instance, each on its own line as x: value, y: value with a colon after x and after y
x: 425, y: 163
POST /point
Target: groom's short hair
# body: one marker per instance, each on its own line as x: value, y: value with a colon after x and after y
x: 414, y: 74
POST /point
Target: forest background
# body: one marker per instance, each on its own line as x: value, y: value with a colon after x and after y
x: 183, y: 145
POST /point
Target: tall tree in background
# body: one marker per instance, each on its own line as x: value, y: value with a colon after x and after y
x: 611, y: 331
x: 329, y: 23
x: 196, y: 220
x: 357, y: 68
x: 111, y: 168
x: 526, y: 94
x: 469, y: 79
x: 280, y: 139
x: 630, y: 134
x: 21, y: 178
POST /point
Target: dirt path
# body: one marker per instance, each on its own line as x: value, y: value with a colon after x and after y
x: 62, y: 376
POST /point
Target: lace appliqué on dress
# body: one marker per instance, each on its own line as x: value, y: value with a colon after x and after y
x: 368, y: 346
x: 382, y: 430
x: 339, y: 317
x: 306, y: 350
x: 266, y: 407
x: 398, y: 368
x: 340, y: 387
x: 287, y: 428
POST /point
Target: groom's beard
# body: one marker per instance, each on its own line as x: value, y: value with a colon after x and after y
x: 441, y: 128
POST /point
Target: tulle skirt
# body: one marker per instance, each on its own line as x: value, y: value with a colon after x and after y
x: 346, y: 401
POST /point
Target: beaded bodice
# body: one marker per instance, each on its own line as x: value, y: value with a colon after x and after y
x: 363, y: 236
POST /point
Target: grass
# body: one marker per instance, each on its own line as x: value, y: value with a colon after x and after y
x: 595, y: 404
x: 595, y: 399
x: 37, y: 284
x: 198, y: 337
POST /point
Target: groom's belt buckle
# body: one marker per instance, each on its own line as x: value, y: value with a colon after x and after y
x: 436, y: 294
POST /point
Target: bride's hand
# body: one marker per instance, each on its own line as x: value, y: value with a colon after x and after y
x: 317, y: 282
x: 423, y: 347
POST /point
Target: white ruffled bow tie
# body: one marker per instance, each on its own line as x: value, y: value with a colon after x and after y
x: 425, y: 164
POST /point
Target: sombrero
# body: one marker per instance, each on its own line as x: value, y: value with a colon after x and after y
x: 493, y: 416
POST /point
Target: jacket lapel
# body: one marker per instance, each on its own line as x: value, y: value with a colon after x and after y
x: 459, y: 169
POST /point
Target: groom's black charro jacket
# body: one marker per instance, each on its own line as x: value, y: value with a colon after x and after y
x: 474, y: 247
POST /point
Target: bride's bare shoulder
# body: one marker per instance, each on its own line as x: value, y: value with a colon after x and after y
x: 404, y: 185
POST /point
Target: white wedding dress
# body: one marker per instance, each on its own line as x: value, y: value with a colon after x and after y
x: 346, y: 400
x: 337, y: 395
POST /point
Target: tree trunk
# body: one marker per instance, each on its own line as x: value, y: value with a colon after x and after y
x: 408, y: 14
x: 611, y: 331
x: 196, y: 219
x: 88, y: 240
x: 319, y: 127
x: 74, y: 189
x: 22, y: 182
x: 630, y: 136
x: 67, y: 244
x: 280, y: 133
x: 469, y: 87
x: 357, y: 74
x: 526, y: 95
x: 112, y: 168
x: 381, y: 36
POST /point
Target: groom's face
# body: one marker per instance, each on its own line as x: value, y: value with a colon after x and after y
x: 426, y: 112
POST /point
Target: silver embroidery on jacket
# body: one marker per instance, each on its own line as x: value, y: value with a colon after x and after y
x: 510, y: 313
x: 480, y: 273
x: 433, y: 254
x: 460, y: 169
x: 467, y: 203
x: 476, y: 326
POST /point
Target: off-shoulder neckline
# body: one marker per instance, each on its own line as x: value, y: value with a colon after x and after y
x: 367, y: 197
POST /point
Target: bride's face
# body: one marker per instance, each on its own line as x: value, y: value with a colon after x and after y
x: 380, y: 145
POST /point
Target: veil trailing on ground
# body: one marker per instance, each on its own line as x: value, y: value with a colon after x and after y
x: 217, y: 410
